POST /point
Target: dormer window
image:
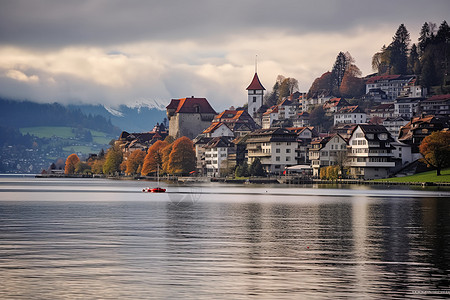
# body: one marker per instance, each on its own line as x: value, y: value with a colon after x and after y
x: 197, y: 108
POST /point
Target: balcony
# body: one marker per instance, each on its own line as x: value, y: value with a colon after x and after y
x: 387, y: 164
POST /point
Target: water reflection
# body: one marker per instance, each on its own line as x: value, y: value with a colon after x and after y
x: 247, y: 244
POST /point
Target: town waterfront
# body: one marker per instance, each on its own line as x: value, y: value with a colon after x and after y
x: 105, y: 239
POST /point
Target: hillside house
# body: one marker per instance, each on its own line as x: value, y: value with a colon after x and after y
x: 438, y: 105
x: 275, y: 147
x: 327, y: 151
x: 392, y: 85
x: 418, y: 128
x: 350, y: 115
x: 370, y: 152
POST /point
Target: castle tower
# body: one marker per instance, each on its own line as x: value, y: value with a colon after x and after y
x: 255, y: 96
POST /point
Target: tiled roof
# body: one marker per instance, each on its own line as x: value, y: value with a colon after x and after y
x: 214, y: 127
x: 350, y: 109
x: 382, y: 77
x: 189, y: 105
x: 438, y: 98
x: 255, y: 84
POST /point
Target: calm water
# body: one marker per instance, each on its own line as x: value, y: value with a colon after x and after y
x: 104, y: 239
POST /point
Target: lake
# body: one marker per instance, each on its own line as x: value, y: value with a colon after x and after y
x: 105, y: 239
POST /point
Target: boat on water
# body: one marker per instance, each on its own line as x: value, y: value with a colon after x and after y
x: 156, y: 189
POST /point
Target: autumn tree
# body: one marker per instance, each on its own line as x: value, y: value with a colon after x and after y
x: 82, y: 168
x: 165, y: 157
x: 435, y: 150
x: 182, y: 156
x: 352, y: 84
x: 135, y: 162
x: 71, y: 162
x: 154, y: 158
x: 114, y: 158
x: 320, y: 85
x: 340, y: 67
x: 381, y: 61
x: 97, y: 166
x: 286, y: 88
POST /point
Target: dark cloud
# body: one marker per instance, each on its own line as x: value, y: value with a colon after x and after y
x: 58, y: 23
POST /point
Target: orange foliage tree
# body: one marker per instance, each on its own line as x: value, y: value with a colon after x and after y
x: 182, y: 156
x: 165, y: 156
x: 154, y: 158
x: 435, y: 150
x: 351, y: 85
x: 135, y: 162
x: 71, y: 162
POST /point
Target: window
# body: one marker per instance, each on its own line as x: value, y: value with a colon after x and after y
x: 254, y: 99
x: 288, y: 150
x: 288, y: 158
x: 277, y: 150
x: 277, y: 158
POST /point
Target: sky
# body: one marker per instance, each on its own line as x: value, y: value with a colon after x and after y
x: 116, y: 52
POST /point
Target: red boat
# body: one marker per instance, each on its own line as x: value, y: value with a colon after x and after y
x: 154, y: 190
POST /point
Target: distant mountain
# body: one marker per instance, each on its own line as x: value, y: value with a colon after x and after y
x: 19, y: 114
x: 140, y: 118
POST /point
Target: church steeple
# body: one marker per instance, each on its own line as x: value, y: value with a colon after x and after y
x: 255, y: 95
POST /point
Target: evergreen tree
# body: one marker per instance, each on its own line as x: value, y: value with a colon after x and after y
x: 399, y: 50
x: 256, y: 168
x: 424, y: 38
x: 413, y: 61
x: 341, y: 65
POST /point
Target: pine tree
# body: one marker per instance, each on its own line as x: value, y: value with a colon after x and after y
x: 399, y: 50
x: 413, y: 61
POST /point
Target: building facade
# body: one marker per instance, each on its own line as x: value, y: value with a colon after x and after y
x: 370, y: 152
x: 189, y: 116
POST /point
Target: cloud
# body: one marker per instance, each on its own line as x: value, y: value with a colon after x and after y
x: 118, y: 52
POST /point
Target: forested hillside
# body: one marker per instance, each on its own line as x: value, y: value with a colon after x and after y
x: 19, y: 114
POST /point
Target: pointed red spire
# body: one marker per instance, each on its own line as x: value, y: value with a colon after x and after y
x: 255, y: 84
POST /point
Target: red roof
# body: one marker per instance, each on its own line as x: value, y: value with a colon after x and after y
x: 255, y: 84
x: 439, y: 97
x: 382, y: 77
x: 191, y: 105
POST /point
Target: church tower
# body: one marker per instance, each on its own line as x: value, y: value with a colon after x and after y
x: 255, y: 96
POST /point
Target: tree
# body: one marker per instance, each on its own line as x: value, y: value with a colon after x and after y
x: 256, y: 168
x: 435, y: 150
x: 82, y: 168
x: 165, y: 157
x: 425, y: 37
x: 413, y: 61
x: 352, y: 84
x: 71, y: 162
x: 113, y: 160
x: 341, y: 65
x: 154, y: 158
x: 97, y: 166
x: 134, y: 162
x: 381, y: 61
x: 399, y: 50
x: 318, y: 118
x: 286, y: 88
x: 320, y: 85
x: 242, y: 170
x: 182, y: 156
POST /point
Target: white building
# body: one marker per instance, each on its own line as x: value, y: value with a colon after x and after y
x: 269, y: 116
x: 393, y: 125
x: 406, y: 107
x: 216, y: 156
x: 275, y: 148
x: 327, y: 151
x: 350, y: 115
x: 392, y: 85
x: 370, y: 154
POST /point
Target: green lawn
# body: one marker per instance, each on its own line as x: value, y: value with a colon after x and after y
x: 429, y: 176
x: 47, y: 132
x: 80, y: 149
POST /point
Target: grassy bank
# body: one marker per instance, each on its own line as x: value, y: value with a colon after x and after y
x: 429, y: 176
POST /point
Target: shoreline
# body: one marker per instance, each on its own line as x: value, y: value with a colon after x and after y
x: 282, y: 180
